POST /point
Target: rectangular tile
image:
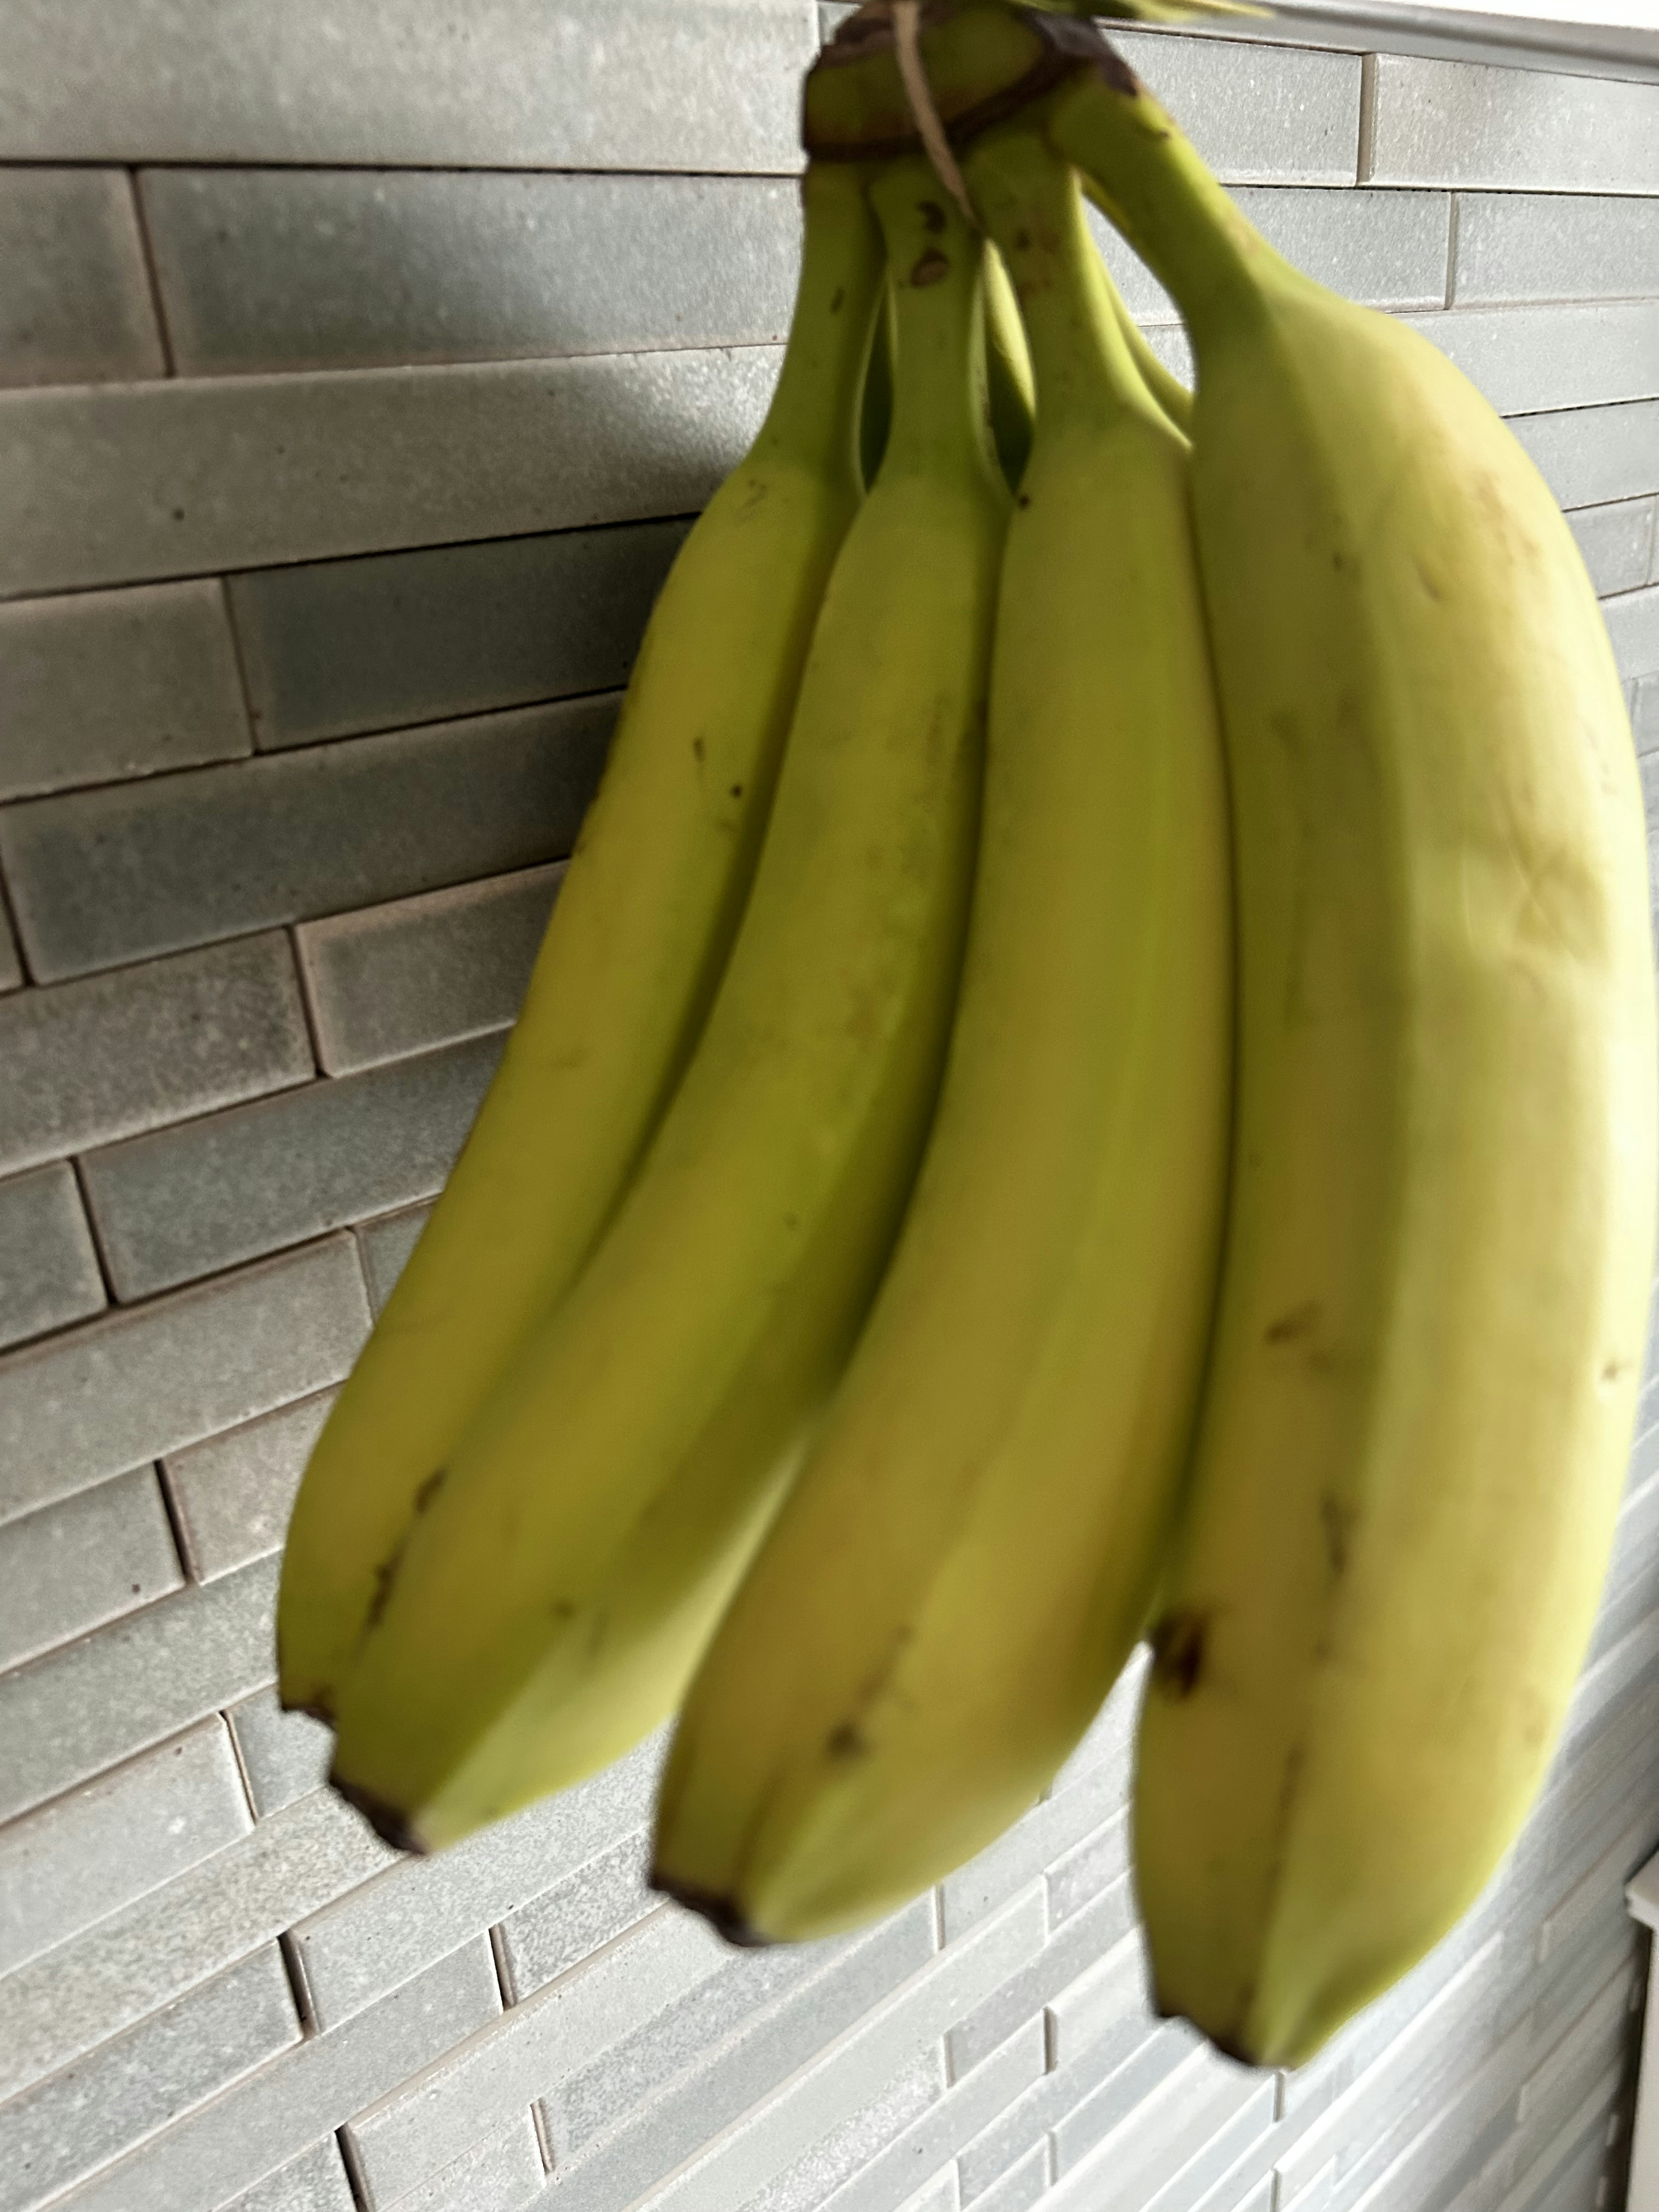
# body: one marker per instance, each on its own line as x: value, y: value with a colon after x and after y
x: 1076, y: 1944
x: 833, y: 2172
x: 132, y: 1386
x: 202, y: 474
x: 283, y: 1755
x: 64, y: 2128
x: 593, y: 84
x: 1590, y: 455
x: 1571, y: 1911
x: 334, y: 648
x: 206, y: 1195
x: 1616, y: 542
x: 420, y: 1909
x: 256, y: 2127
x: 101, y: 876
x: 605, y: 1897
x: 945, y: 2125
x: 386, y: 1246
x: 69, y: 1716
x: 76, y: 305
x: 49, y: 1274
x: 1108, y: 1998
x: 1460, y: 123
x: 103, y: 1058
x: 1018, y: 2188
x: 740, y: 2071
x: 1553, y: 246
x: 1084, y: 1874
x: 1632, y: 621
x: 1045, y: 1834
x: 500, y: 2173
x: 1159, y: 2105
x: 85, y: 1560
x: 316, y: 2181
x: 1534, y: 359
x: 286, y: 269
x: 231, y: 1496
x: 90, y: 1853
x: 1387, y: 249
x: 1257, y: 113
x: 104, y: 684
x: 154, y: 1950
x: 398, y: 979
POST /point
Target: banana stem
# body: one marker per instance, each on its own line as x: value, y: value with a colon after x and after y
x: 814, y: 411
x: 935, y: 263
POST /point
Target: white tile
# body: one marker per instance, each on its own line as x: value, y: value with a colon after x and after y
x: 1531, y: 360
x: 1257, y: 113
x: 1457, y: 123
x: 1554, y: 245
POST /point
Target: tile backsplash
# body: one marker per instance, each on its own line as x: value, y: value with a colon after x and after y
x: 363, y: 367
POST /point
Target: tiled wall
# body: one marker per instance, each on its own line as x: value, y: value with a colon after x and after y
x: 365, y: 362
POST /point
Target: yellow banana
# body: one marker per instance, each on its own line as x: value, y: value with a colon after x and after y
x: 553, y: 1594
x: 968, y: 1554
x: 1416, y: 1420
x: 631, y: 960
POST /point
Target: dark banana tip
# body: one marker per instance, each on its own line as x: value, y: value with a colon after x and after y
x: 724, y: 1914
x: 390, y: 1822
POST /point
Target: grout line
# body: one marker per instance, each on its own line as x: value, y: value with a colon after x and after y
x: 1454, y: 222
x: 359, y: 2188
x: 1367, y: 117
x: 111, y: 1296
x: 238, y: 655
x: 294, y: 1967
x: 543, y: 2137
x: 307, y: 1004
x: 147, y: 247
x: 9, y: 920
x: 175, y: 1524
x: 503, y: 1976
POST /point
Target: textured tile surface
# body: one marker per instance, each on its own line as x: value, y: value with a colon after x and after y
x: 104, y: 684
x: 818, y: 2176
x: 88, y: 1559
x: 1553, y: 246
x: 134, y: 2085
x: 132, y: 1386
x: 231, y: 1496
x: 335, y: 648
x: 1532, y: 359
x: 100, y: 877
x: 286, y: 269
x: 558, y: 1929
x: 316, y: 2181
x: 591, y: 85
x: 1258, y: 114
x: 49, y: 1274
x: 1587, y: 454
x: 503, y: 2172
x: 190, y: 1201
x: 1633, y: 626
x: 283, y: 1755
x: 87, y: 1061
x: 420, y: 972
x: 386, y: 1246
x: 1456, y: 122
x: 1616, y: 542
x: 90, y: 1853
x: 76, y: 308
x: 166, y: 480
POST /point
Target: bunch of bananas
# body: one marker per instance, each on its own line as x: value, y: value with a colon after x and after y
x: 1092, y: 1076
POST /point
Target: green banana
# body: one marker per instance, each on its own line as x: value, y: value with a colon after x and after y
x: 1008, y: 371
x: 631, y: 958
x: 969, y: 1553
x: 553, y: 1596
x: 1415, y: 1423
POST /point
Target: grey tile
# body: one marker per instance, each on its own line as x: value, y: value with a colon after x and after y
x: 335, y: 647
x: 192, y: 1201
x: 72, y: 1566
x: 816, y: 2178
x: 87, y: 1854
x: 1554, y: 245
x: 1018, y: 2188
x: 1258, y: 114
x: 69, y: 1716
x: 594, y: 84
x: 1209, y: 2142
x: 1586, y: 2050
x: 49, y: 1272
x: 1075, y: 1945
x: 316, y: 2181
x: 1084, y: 1874
x: 104, y: 684
x: 296, y: 269
x: 133, y: 2085
x: 132, y: 1386
x: 1572, y: 1911
x: 1589, y: 454
x: 1616, y: 542
x: 171, y: 1941
x: 1108, y: 2002
x: 11, y: 966
x: 1387, y: 249
x: 1161, y: 2068
x: 739, y: 2073
x: 1046, y: 1833
x: 231, y: 1496
x: 1456, y: 122
x: 390, y: 1930
x: 945, y: 2127
x: 851, y: 2071
x: 1632, y: 623
x: 1544, y: 359
x: 88, y: 1061
x: 1644, y: 717
x: 419, y: 972
x: 283, y: 1755
x: 100, y: 877
x: 567, y: 1924
x: 990, y: 2154
x: 76, y: 305
x: 254, y: 2129
x: 386, y: 1246
x: 501, y: 2173
x: 193, y: 476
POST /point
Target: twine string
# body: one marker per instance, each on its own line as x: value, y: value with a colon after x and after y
x: 907, y: 42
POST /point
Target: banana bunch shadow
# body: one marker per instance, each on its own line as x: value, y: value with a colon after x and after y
x: 1092, y: 1078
